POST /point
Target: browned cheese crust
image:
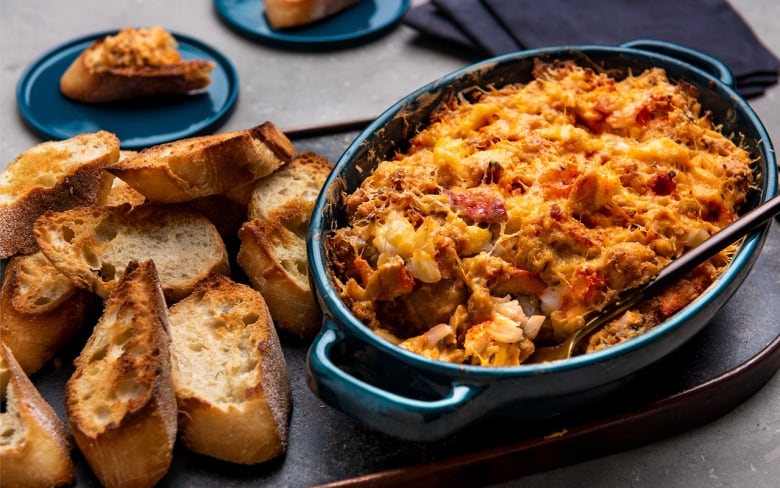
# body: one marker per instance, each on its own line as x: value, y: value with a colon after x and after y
x: 520, y: 209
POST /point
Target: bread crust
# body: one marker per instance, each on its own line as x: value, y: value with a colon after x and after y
x: 92, y: 245
x: 120, y: 192
x: 284, y: 14
x: 35, y: 447
x: 89, y: 83
x: 119, y: 401
x: 225, y: 213
x: 53, y: 175
x: 225, y: 164
x: 41, y: 311
x: 293, y: 187
x: 82, y: 84
x: 244, y: 420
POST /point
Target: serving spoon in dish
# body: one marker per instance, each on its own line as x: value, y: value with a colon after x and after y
x: 719, y: 241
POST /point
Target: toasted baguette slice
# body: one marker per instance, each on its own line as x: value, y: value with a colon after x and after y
x: 274, y: 260
x: 120, y: 191
x: 133, y: 63
x: 41, y: 310
x: 120, y: 402
x: 227, y: 164
x: 273, y: 245
x: 54, y: 175
x: 225, y: 213
x: 241, y: 414
x: 92, y: 245
x: 34, y: 445
x: 294, y: 186
x: 283, y: 14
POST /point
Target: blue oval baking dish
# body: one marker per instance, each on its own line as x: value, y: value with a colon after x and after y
x: 409, y: 396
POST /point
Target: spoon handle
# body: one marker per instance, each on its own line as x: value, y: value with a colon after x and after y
x: 714, y: 244
x: 672, y: 272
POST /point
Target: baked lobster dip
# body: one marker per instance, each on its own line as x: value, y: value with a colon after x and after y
x: 518, y: 210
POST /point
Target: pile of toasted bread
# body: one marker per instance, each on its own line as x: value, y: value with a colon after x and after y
x: 183, y: 263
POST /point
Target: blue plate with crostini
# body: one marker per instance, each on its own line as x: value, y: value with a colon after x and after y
x: 364, y: 21
x: 138, y: 123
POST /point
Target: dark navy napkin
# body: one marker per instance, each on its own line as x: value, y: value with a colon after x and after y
x: 710, y: 26
x: 475, y: 23
x: 428, y: 19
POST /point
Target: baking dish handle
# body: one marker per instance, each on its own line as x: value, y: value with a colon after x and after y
x: 386, y: 411
x: 710, y: 64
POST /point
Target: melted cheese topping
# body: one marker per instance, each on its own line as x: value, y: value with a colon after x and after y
x: 135, y: 48
x: 521, y: 209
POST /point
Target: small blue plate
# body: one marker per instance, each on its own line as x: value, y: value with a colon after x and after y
x: 358, y: 23
x: 138, y: 123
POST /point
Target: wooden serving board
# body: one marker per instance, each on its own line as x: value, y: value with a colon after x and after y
x: 733, y: 357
